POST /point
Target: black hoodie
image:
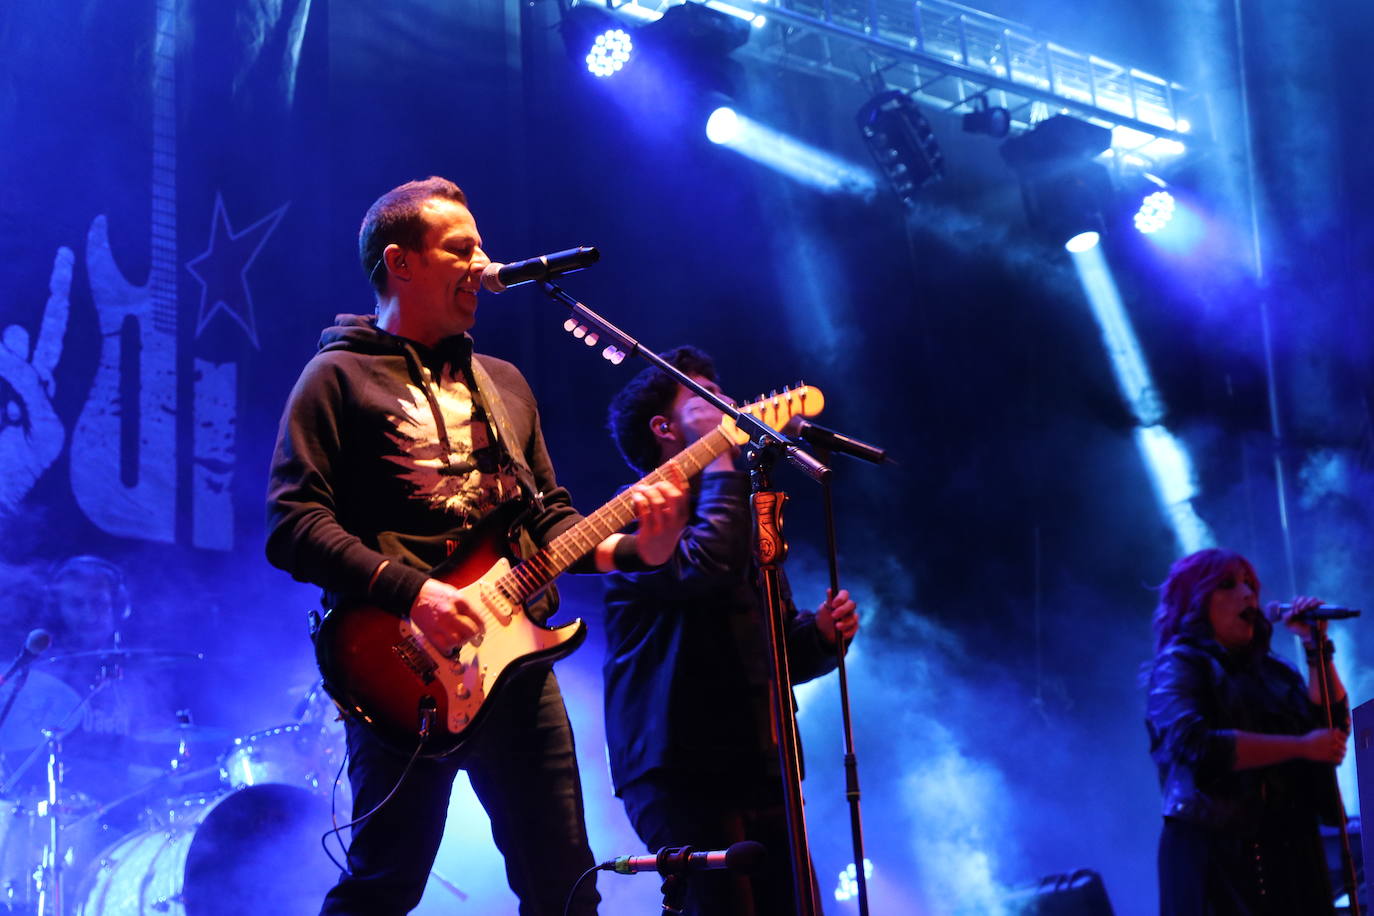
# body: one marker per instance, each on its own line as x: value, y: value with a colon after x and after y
x: 364, y: 471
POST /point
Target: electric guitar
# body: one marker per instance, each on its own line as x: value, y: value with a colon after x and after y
x: 383, y: 671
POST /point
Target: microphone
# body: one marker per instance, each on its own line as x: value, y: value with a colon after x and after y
x: 35, y: 645
x: 839, y: 442
x: 497, y: 278
x: 1325, y: 612
x: 677, y: 860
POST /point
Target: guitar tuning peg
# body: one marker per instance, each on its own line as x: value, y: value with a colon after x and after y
x: 580, y: 331
x: 591, y: 339
x: 613, y: 355
x: 570, y: 325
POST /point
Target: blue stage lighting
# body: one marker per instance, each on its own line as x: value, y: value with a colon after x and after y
x: 1083, y: 241
x: 722, y: 126
x: 1156, y: 210
x: 610, y: 52
x: 787, y: 155
x: 1166, y: 457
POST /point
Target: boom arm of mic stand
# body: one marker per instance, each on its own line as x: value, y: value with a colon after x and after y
x: 760, y: 434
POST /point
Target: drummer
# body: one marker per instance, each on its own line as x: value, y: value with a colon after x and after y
x: 108, y: 700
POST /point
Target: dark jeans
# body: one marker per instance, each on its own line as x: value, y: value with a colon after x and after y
x: 673, y: 809
x: 523, y: 768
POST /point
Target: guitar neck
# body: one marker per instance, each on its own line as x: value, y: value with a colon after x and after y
x: 534, y: 573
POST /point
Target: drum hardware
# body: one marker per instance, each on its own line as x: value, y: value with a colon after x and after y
x: 223, y: 854
x: 49, y: 878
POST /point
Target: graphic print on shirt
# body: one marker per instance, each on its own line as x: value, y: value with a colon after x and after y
x: 477, y: 477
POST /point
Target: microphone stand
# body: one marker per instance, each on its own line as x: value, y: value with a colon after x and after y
x: 851, y: 763
x: 1349, y: 878
x: 767, y: 444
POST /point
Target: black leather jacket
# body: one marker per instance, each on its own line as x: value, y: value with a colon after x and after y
x: 686, y: 652
x: 1200, y: 695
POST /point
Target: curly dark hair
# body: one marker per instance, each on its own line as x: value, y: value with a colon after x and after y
x: 647, y: 395
x: 396, y: 218
x: 1184, y: 595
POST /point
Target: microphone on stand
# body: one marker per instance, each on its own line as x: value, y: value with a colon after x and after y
x: 839, y: 442
x: 677, y: 860
x: 1325, y: 612
x: 35, y: 645
x: 497, y: 278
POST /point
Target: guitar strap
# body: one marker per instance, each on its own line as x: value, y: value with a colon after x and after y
x: 543, y: 606
x: 501, y: 427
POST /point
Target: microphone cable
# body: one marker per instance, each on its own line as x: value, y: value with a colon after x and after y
x: 567, y: 907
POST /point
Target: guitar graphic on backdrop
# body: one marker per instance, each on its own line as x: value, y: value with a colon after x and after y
x: 382, y: 669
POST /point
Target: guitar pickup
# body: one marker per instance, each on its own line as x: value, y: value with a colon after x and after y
x: 416, y: 659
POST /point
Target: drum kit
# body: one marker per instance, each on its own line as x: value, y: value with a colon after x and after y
x: 225, y: 825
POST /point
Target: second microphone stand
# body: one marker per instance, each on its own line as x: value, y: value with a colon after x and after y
x: 1350, y: 879
x: 767, y: 445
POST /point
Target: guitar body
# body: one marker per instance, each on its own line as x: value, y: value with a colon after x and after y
x: 383, y: 671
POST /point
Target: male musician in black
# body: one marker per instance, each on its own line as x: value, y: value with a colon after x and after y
x: 396, y: 442
x: 692, y: 748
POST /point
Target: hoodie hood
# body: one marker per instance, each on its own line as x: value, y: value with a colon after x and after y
x: 360, y: 334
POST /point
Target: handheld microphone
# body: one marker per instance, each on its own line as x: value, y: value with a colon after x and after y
x: 1325, y: 612
x: 677, y: 860
x: 497, y: 278
x: 35, y: 645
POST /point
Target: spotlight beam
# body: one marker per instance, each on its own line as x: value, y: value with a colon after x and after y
x: 788, y: 155
x: 1166, y: 458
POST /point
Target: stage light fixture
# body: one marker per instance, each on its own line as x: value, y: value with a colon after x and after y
x: 1055, y: 139
x: 902, y: 143
x: 987, y: 119
x: 595, y: 38
x: 723, y: 125
x: 1157, y: 205
x: 687, y: 44
x: 1065, y: 192
x: 1083, y: 241
x: 697, y: 29
x: 611, y: 51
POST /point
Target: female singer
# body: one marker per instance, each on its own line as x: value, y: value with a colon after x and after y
x: 1246, y: 758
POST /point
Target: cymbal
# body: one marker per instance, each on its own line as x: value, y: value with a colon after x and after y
x: 43, y: 702
x: 128, y: 656
x: 191, y: 734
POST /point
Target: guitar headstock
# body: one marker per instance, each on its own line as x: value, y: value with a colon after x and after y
x: 778, y: 408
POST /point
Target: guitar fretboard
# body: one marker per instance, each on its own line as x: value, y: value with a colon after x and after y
x: 528, y: 577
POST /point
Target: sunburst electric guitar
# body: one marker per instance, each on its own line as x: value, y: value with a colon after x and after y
x: 382, y: 670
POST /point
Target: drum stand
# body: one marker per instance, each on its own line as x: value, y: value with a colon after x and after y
x: 49, y: 878
x: 50, y: 874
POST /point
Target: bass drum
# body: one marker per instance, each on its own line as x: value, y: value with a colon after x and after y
x: 256, y: 850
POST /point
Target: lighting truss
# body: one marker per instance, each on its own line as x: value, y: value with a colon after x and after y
x: 951, y: 57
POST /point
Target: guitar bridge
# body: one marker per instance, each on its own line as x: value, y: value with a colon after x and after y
x: 416, y: 659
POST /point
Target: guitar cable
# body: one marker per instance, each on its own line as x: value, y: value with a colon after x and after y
x: 426, y: 721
